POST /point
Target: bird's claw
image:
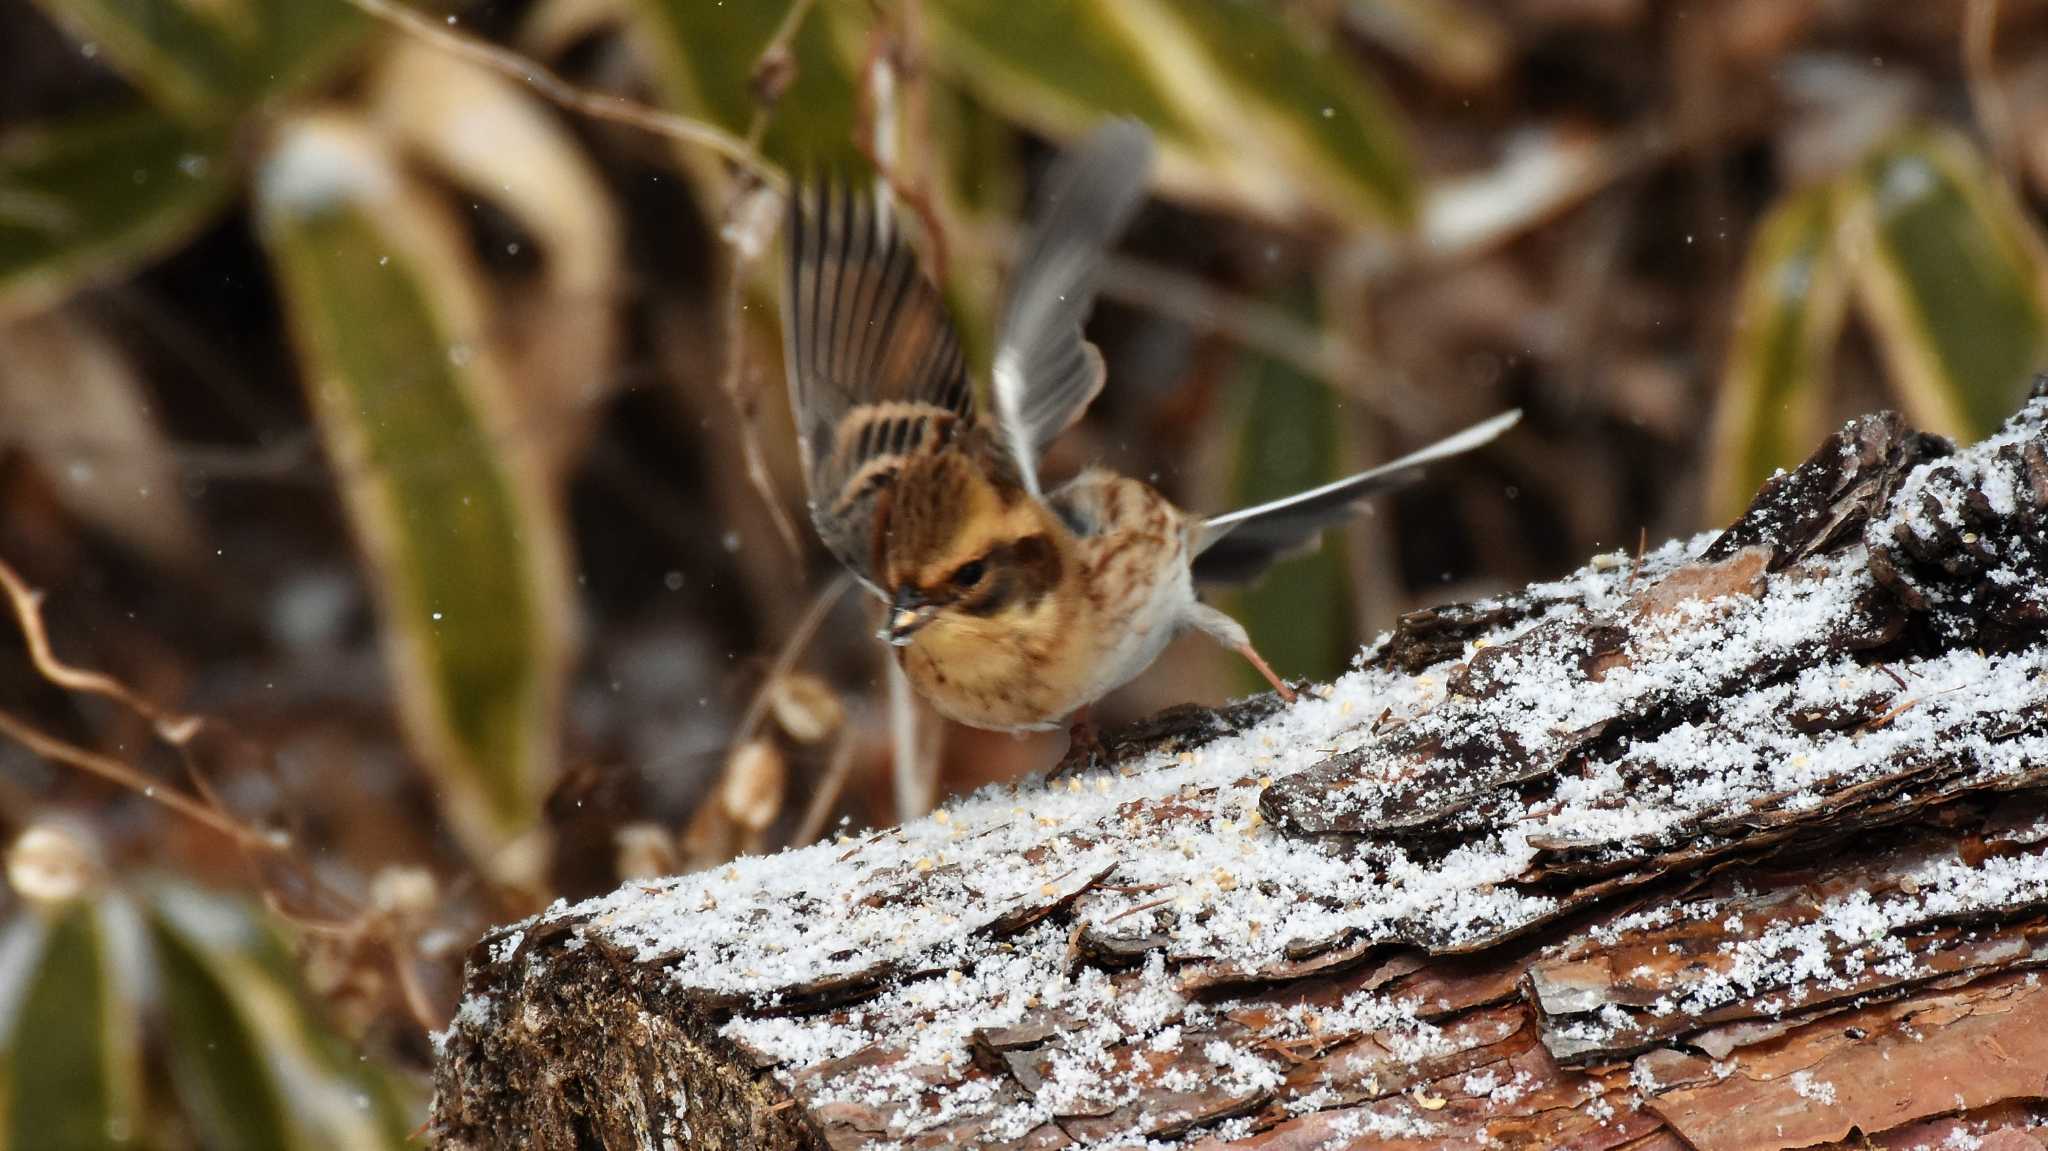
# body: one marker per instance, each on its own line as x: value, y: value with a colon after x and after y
x: 1085, y: 751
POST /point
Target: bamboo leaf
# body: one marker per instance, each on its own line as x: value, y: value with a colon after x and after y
x: 1289, y: 440
x: 252, y: 1066
x: 1247, y: 109
x: 76, y: 405
x: 448, y: 498
x: 1305, y: 109
x: 73, y: 1069
x: 1057, y: 66
x: 90, y: 196
x: 1788, y: 319
x: 703, y: 57
x: 1951, y: 277
x: 216, y: 1061
x: 207, y: 62
x: 495, y: 139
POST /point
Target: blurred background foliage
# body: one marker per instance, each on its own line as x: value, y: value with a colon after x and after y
x: 394, y: 392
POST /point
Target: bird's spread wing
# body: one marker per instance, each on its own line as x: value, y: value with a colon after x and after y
x: 1241, y: 544
x: 1045, y: 373
x: 876, y: 375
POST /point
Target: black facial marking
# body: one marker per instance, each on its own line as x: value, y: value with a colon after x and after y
x: 1021, y: 570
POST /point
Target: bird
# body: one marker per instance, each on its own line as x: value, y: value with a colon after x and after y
x: 1010, y: 606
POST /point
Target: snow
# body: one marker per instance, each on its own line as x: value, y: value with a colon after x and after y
x: 1172, y: 854
x: 319, y: 165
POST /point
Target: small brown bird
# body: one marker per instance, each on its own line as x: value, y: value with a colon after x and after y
x: 1011, y: 607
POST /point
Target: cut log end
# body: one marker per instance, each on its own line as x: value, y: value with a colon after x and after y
x: 1740, y: 844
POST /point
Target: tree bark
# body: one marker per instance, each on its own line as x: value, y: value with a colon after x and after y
x: 1741, y: 843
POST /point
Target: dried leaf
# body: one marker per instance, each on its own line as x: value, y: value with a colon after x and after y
x: 645, y: 850
x: 73, y: 402
x: 751, y: 790
x: 1459, y: 43
x: 49, y: 865
x: 806, y: 707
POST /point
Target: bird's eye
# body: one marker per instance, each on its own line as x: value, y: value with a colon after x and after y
x: 968, y: 574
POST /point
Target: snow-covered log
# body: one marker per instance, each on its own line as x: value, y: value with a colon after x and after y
x: 1742, y: 843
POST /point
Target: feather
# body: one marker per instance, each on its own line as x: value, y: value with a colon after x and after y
x: 876, y: 375
x: 1239, y: 545
x: 1045, y: 373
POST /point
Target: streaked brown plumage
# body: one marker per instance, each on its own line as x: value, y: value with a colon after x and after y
x: 1011, y: 607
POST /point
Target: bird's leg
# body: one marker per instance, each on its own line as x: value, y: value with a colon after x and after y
x: 1084, y: 745
x: 1251, y: 653
x: 1230, y: 634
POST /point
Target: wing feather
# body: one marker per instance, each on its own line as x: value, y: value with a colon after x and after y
x: 1045, y: 372
x: 876, y: 374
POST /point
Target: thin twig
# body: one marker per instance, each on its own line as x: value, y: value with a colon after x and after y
x: 114, y: 771
x: 744, y: 237
x: 172, y: 728
x: 825, y: 796
x: 777, y: 47
x: 875, y: 134
x: 1139, y: 909
x: 597, y: 105
x: 1980, y: 77
x: 792, y: 650
x: 257, y: 843
x: 731, y: 382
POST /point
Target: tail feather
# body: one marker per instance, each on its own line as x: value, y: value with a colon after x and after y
x: 1237, y: 546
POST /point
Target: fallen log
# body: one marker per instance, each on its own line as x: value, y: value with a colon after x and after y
x: 1741, y: 843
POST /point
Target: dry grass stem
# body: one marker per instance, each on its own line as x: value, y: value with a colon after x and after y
x: 552, y: 87
x: 825, y: 794
x: 27, y: 603
x: 792, y: 650
x: 116, y: 772
x: 1980, y: 74
x: 731, y: 381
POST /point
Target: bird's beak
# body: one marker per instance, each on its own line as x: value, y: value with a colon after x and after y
x: 907, y: 613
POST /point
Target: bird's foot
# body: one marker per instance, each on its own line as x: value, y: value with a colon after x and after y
x: 1085, y: 751
x: 1258, y: 661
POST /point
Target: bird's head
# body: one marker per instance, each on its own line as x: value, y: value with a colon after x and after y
x: 964, y: 552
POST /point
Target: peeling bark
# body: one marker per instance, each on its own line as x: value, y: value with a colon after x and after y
x: 1741, y: 845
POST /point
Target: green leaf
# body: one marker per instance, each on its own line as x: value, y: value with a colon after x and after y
x: 208, y: 62
x: 252, y: 1065
x: 1952, y: 282
x: 704, y: 55
x: 1309, y: 108
x: 216, y: 1062
x: 73, y: 1069
x: 90, y: 196
x: 1789, y: 312
x: 448, y: 499
x: 1290, y: 439
x: 1056, y: 65
x: 1246, y: 108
